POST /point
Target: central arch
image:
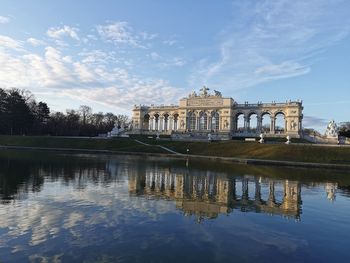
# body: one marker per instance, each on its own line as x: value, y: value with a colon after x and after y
x: 191, y: 121
x: 203, y: 121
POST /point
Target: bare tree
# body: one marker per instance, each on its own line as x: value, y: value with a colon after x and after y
x: 85, y: 113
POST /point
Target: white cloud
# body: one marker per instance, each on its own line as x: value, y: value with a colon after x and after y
x: 38, y: 72
x: 269, y: 40
x: 148, y: 36
x: 97, y: 56
x: 92, y: 37
x: 60, y: 32
x: 165, y: 62
x: 284, y: 70
x: 117, y: 33
x: 130, y: 91
x: 35, y: 42
x: 4, y: 20
x: 90, y: 77
x: 13, y: 72
x: 59, y: 70
x: 67, y: 59
x: 170, y: 42
x: 174, y: 62
x: 155, y: 56
x: 10, y: 43
x: 121, y: 33
x: 83, y: 72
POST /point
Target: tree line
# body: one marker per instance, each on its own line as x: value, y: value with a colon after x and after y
x: 21, y: 114
x: 344, y: 129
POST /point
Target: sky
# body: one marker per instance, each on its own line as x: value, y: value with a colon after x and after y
x: 112, y: 55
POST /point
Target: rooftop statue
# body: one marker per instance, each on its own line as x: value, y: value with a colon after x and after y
x: 193, y: 94
x: 217, y: 93
x: 204, y: 91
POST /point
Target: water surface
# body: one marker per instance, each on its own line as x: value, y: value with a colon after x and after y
x: 96, y: 208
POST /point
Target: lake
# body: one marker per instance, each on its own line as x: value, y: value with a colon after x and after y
x: 57, y: 207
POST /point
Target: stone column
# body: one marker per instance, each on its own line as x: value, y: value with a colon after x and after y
x: 160, y: 125
x: 272, y: 126
x: 165, y: 124
x: 150, y: 124
x: 246, y: 124
x: 176, y: 124
x: 170, y: 123
x: 285, y: 125
x: 258, y: 124
x: 234, y: 128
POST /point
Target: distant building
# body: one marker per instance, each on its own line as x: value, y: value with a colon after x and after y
x: 204, y: 113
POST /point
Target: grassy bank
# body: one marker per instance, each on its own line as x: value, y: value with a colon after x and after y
x: 255, y: 150
x: 246, y: 150
x: 297, y: 153
x: 120, y: 144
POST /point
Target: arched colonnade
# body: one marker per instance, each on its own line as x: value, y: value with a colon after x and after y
x: 161, y: 121
x: 259, y: 122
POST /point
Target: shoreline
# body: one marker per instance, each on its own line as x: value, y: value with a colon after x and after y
x: 246, y: 161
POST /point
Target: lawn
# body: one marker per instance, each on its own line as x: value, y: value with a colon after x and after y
x: 238, y: 149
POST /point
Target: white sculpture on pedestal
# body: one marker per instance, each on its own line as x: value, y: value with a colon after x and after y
x: 332, y: 130
x: 210, y: 137
x: 115, y: 131
x: 261, y: 138
x: 288, y: 139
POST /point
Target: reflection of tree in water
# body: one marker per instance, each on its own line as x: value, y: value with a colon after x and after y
x: 345, y: 190
x: 26, y: 173
x: 15, y: 176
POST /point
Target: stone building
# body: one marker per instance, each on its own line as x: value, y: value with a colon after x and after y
x: 201, y: 114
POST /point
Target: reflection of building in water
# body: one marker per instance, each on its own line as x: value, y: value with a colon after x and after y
x: 331, y: 190
x: 207, y: 194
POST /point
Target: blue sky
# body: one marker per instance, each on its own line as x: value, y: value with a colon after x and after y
x: 114, y: 54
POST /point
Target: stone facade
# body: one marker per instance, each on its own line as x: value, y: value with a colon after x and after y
x: 204, y: 113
